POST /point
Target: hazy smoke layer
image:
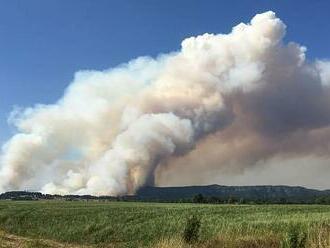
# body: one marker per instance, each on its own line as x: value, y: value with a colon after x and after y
x: 227, y: 100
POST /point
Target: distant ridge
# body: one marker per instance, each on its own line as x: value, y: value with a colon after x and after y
x: 219, y: 193
x: 252, y: 193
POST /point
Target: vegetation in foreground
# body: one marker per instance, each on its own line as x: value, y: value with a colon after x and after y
x: 129, y: 224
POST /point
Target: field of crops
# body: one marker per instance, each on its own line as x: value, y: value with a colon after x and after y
x: 125, y: 224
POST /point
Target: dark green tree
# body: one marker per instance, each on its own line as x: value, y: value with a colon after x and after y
x: 198, y: 199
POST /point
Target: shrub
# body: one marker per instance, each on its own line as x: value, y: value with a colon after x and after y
x: 192, y: 228
x: 295, y: 238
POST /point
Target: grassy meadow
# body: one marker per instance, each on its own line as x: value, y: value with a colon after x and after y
x: 129, y: 224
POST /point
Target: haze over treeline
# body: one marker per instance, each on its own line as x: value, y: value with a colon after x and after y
x: 224, y: 104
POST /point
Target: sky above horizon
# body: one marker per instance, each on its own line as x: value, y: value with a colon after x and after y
x: 43, y: 43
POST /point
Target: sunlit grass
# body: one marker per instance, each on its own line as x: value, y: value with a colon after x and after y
x: 124, y: 224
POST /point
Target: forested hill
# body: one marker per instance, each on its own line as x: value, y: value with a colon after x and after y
x: 236, y: 193
x: 200, y: 194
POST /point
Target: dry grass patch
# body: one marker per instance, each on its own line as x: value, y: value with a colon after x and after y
x: 224, y: 242
x: 319, y: 236
x: 247, y: 241
x: 171, y: 243
x: 14, y: 241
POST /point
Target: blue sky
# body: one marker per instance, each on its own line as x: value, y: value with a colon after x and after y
x: 42, y: 43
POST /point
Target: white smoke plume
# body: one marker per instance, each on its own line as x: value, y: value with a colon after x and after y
x: 245, y: 96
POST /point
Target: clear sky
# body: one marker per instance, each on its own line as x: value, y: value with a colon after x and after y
x: 42, y: 43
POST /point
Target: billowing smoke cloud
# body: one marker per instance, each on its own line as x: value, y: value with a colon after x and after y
x: 223, y: 101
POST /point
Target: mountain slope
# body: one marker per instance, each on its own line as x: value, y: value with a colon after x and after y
x: 272, y: 193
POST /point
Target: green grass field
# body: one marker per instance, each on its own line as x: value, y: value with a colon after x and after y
x: 126, y: 224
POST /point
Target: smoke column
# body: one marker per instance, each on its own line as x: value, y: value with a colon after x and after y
x: 245, y: 96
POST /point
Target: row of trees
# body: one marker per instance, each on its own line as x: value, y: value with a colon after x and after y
x: 233, y: 200
x: 199, y: 198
